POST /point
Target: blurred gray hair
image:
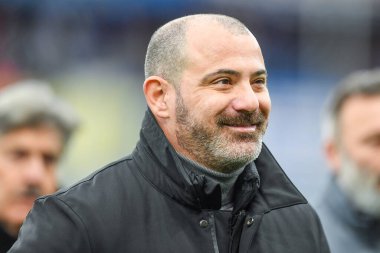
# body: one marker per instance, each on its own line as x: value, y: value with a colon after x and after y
x: 166, y: 53
x: 31, y: 103
x: 365, y: 82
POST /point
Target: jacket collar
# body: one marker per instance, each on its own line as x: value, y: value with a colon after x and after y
x: 276, y: 190
x: 159, y: 163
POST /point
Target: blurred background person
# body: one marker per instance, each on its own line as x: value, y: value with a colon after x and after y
x: 350, y: 208
x: 35, y: 127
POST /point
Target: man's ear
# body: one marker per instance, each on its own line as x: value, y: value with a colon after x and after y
x: 156, y: 91
x: 332, y: 154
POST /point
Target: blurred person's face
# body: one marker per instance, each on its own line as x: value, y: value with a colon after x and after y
x: 360, y: 185
x: 28, y: 160
x: 222, y: 104
x: 359, y: 172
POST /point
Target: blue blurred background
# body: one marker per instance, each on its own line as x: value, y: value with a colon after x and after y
x: 92, y: 51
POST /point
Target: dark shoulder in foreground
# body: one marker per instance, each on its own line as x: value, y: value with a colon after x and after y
x: 104, y: 177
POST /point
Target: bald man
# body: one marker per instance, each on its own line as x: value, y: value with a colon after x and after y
x: 200, y: 179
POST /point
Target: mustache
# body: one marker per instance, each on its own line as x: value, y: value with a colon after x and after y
x: 30, y: 192
x: 242, y: 119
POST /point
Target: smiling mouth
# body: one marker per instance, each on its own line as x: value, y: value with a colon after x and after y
x: 244, y: 127
x: 247, y: 122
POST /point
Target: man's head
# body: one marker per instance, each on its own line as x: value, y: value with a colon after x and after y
x: 206, y: 84
x: 34, y: 128
x: 352, y: 138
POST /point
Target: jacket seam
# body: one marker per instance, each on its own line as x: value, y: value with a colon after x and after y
x: 285, y: 206
x: 157, y: 189
x: 290, y: 205
x: 82, y: 222
x: 90, y: 178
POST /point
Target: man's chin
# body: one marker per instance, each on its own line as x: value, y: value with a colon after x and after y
x: 366, y: 198
x: 248, y: 151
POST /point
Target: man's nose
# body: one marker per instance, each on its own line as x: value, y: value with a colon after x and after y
x: 35, y: 170
x: 246, y: 98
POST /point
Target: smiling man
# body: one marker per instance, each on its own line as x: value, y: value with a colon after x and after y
x: 200, y: 179
x: 222, y: 123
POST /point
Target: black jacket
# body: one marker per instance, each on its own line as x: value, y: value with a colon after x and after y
x: 143, y: 204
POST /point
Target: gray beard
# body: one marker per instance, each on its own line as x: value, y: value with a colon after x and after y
x: 360, y: 186
x: 211, y: 149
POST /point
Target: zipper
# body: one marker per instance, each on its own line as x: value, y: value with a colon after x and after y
x: 213, y: 232
x: 236, y: 224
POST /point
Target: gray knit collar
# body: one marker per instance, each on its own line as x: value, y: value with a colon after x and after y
x: 226, y: 181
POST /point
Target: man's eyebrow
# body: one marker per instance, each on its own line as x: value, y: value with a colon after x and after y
x: 229, y: 72
x: 232, y: 73
x: 260, y: 72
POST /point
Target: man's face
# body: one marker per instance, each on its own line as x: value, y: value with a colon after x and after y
x: 222, y: 102
x: 28, y: 160
x: 360, y: 148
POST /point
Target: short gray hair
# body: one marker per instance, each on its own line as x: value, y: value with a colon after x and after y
x: 166, y: 53
x: 365, y: 82
x: 31, y: 103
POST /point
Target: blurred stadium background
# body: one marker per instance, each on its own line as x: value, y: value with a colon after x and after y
x: 92, y: 51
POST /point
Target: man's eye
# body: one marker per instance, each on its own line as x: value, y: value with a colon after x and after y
x: 18, y: 154
x: 260, y: 81
x: 222, y: 81
x: 374, y: 141
x: 50, y: 159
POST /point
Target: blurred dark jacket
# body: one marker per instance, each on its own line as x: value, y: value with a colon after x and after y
x: 144, y: 204
x: 347, y: 229
x: 6, y: 241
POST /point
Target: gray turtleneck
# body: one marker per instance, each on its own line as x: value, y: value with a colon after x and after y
x: 225, y: 180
